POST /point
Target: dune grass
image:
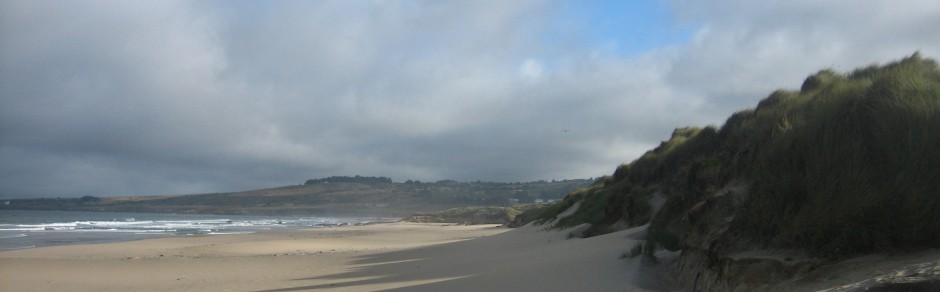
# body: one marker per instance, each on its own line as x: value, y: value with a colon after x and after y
x: 850, y: 163
x: 856, y: 168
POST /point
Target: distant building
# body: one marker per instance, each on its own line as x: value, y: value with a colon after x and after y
x: 513, y: 201
x: 539, y: 201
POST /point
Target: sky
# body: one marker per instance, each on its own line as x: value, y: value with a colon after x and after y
x: 129, y: 98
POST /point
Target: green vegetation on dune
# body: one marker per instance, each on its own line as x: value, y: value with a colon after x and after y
x: 603, y: 205
x: 476, y: 215
x: 845, y: 165
x: 850, y: 164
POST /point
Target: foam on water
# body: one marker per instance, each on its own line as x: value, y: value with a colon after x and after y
x: 25, y: 229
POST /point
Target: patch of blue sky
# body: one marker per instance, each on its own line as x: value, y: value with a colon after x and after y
x: 620, y: 27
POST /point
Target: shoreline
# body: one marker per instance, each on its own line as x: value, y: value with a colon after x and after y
x: 32, y: 229
x: 385, y: 256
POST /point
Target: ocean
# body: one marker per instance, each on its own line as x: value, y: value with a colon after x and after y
x: 30, y: 229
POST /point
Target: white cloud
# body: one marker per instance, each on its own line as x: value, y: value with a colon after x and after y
x: 531, y: 70
x: 747, y: 49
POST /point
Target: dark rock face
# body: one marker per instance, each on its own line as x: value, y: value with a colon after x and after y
x: 915, y: 277
x: 708, y: 272
x: 924, y: 285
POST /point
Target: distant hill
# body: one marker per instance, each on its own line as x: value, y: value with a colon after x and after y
x: 338, y: 195
x: 846, y: 165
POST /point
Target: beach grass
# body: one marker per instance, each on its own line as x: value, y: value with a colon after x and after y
x: 845, y: 165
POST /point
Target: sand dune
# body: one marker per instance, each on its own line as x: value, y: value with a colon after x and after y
x: 391, y: 257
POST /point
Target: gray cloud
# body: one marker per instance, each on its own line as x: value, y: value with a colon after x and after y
x: 747, y: 49
x: 136, y: 98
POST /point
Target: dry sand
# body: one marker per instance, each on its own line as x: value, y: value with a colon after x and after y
x: 391, y: 257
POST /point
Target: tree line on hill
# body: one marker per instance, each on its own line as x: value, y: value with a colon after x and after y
x: 350, y: 179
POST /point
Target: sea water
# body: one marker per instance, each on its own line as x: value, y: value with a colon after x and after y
x: 29, y: 229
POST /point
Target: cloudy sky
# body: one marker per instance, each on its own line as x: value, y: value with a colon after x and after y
x: 114, y: 98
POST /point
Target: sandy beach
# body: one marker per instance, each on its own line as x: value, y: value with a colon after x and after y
x: 380, y: 257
